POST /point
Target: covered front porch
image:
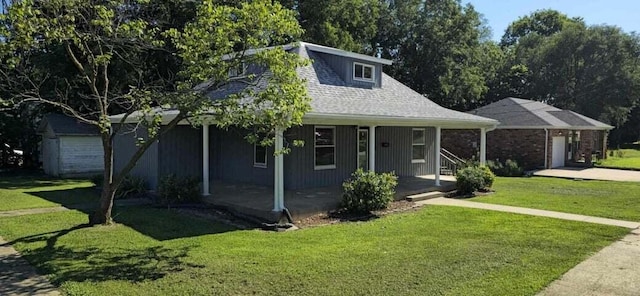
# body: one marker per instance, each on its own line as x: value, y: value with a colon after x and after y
x: 258, y: 202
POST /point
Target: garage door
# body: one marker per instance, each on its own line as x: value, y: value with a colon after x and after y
x: 557, y: 157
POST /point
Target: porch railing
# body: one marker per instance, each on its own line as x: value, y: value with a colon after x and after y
x: 449, y: 162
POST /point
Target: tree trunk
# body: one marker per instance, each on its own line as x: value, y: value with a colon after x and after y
x: 102, y: 215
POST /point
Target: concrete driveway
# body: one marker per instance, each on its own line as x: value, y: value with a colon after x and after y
x: 591, y: 174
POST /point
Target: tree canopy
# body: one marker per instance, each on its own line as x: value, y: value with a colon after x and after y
x: 93, y: 59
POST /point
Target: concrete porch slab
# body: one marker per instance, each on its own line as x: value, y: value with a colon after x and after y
x: 257, y: 201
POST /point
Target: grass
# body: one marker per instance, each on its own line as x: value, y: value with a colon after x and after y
x: 616, y: 200
x: 434, y: 251
x: 630, y: 159
x: 29, y: 192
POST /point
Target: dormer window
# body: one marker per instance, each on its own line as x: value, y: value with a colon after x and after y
x: 238, y: 70
x: 363, y: 72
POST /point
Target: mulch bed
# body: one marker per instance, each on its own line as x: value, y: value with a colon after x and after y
x: 339, y: 216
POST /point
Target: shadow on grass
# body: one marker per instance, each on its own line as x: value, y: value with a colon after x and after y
x: 82, y: 199
x: 101, y: 264
x: 32, y: 181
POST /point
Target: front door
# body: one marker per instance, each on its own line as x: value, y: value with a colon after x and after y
x: 363, y: 149
x: 558, y: 152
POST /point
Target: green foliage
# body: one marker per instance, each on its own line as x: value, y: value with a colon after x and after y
x: 131, y: 186
x: 487, y: 176
x: 92, y: 59
x: 510, y: 168
x: 473, y: 178
x: 368, y: 191
x: 176, y: 190
x: 344, y: 24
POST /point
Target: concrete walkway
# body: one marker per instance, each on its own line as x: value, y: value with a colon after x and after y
x: 591, y: 174
x: 17, y: 277
x: 527, y: 211
x: 615, y: 270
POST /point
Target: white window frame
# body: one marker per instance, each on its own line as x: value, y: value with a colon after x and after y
x: 315, y: 146
x: 373, y: 72
x: 255, y: 154
x: 233, y: 71
x: 424, y: 144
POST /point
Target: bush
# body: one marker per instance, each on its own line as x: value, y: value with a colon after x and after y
x: 469, y: 180
x: 175, y: 190
x: 487, y: 177
x: 511, y: 168
x: 368, y: 191
x: 131, y: 186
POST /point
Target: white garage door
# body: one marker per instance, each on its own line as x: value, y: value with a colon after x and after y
x: 557, y: 157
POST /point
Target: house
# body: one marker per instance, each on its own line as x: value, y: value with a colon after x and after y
x: 69, y: 147
x: 360, y: 117
x: 534, y: 134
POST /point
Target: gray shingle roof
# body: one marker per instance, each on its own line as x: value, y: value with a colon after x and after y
x: 63, y: 125
x: 331, y: 96
x: 515, y: 112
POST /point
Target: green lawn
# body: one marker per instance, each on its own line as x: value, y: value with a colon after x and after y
x: 630, y: 159
x: 616, y: 200
x: 434, y: 251
x: 41, y: 192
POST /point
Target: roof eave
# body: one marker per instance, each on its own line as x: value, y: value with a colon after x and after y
x: 355, y: 119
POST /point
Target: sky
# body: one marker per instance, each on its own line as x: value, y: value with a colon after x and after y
x: 621, y: 13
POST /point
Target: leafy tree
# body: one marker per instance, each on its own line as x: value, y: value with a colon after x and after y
x: 544, y: 22
x: 92, y: 59
x: 436, y: 47
x: 345, y: 24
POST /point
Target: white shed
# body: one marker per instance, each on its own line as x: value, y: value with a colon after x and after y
x: 70, y: 147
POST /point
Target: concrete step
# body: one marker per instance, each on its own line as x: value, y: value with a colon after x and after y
x: 428, y: 195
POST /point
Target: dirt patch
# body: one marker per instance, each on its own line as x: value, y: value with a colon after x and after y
x: 339, y: 216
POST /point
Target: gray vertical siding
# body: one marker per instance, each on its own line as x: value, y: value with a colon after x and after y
x: 397, y: 156
x: 299, y: 169
x: 235, y: 160
x: 124, y: 146
x: 180, y: 152
x: 343, y: 66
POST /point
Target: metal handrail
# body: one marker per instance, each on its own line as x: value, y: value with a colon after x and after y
x: 451, y: 155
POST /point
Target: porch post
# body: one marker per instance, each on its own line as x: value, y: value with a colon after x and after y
x: 437, y: 155
x: 205, y: 159
x: 372, y: 148
x: 483, y: 146
x: 278, y: 172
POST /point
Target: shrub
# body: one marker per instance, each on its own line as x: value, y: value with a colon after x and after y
x: 510, y: 168
x: 469, y: 180
x: 620, y: 153
x: 175, y: 190
x: 368, y: 191
x: 487, y: 177
x: 131, y: 186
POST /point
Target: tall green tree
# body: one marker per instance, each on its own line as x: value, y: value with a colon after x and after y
x: 437, y: 48
x: 593, y: 70
x: 344, y: 24
x: 91, y: 59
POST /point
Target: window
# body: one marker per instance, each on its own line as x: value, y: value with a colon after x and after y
x: 363, y: 72
x: 325, y: 147
x: 259, y: 156
x: 238, y: 70
x: 419, y: 145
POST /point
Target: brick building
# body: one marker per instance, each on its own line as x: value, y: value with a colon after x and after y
x: 534, y: 134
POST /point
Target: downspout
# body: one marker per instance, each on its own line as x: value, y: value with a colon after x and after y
x: 546, y: 146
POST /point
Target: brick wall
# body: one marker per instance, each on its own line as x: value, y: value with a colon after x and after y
x: 524, y: 146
